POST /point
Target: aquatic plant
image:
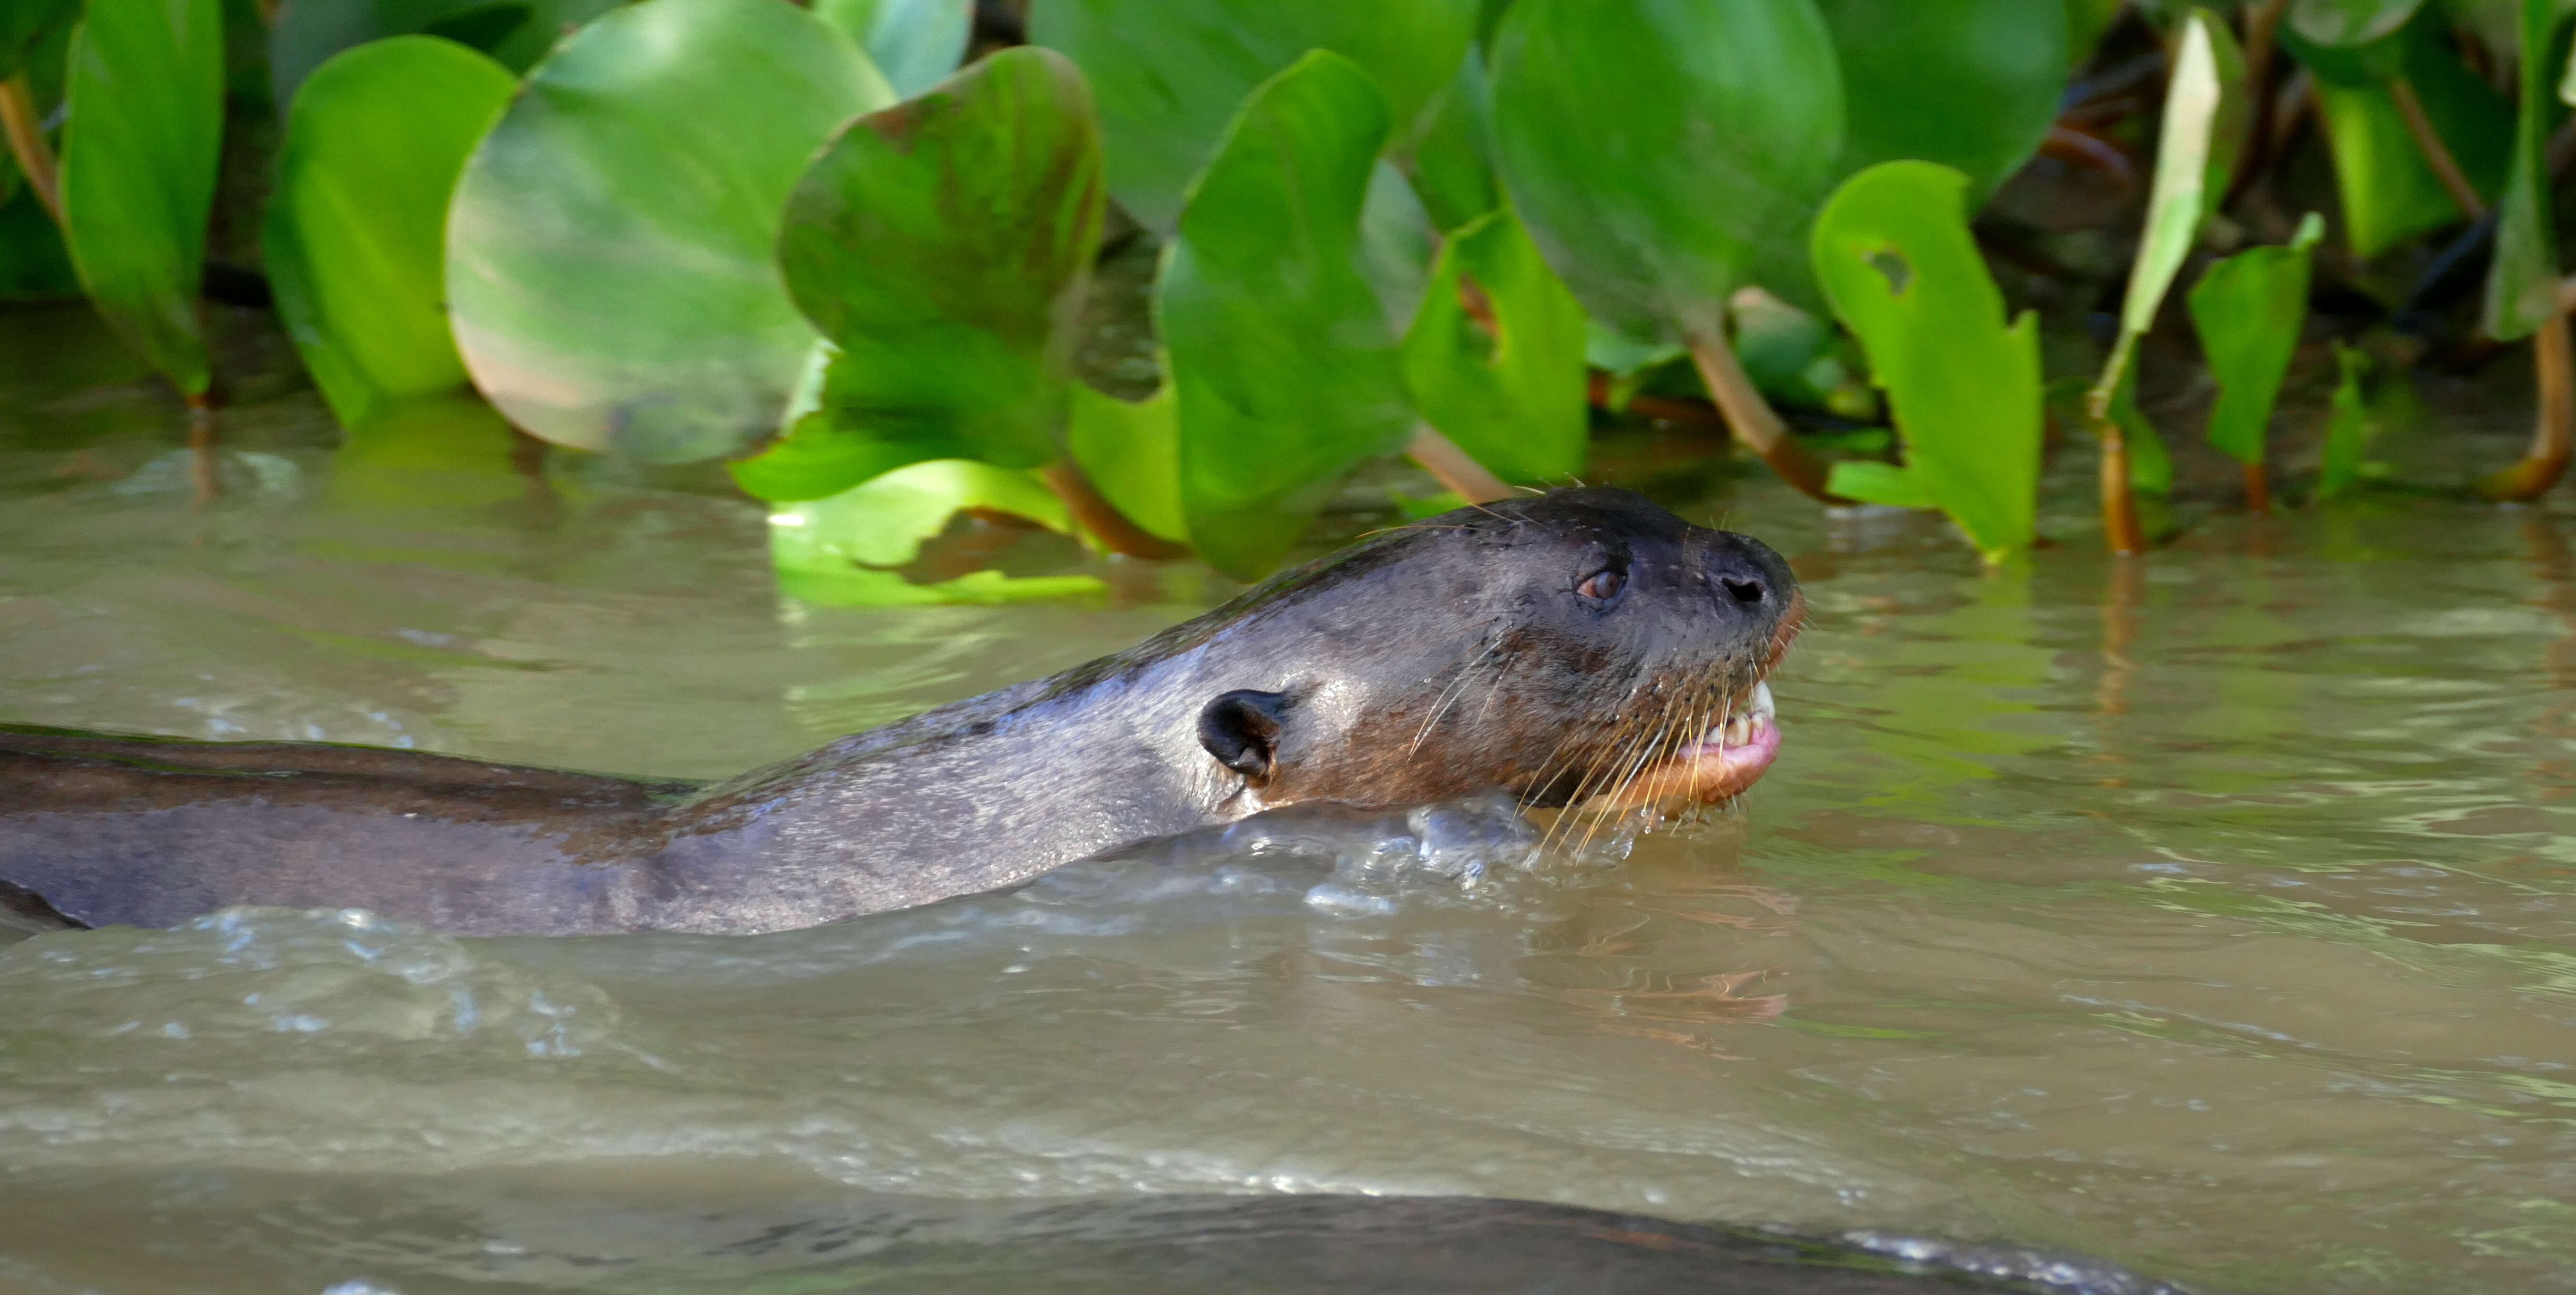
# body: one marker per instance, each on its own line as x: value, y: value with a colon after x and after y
x: 834, y: 239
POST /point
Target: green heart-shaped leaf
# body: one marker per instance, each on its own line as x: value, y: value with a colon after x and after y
x: 1280, y: 355
x: 1970, y: 84
x: 1894, y: 255
x: 356, y: 232
x: 1171, y: 77
x: 1508, y: 386
x: 1652, y: 146
x: 2248, y: 310
x: 610, y: 256
x: 941, y: 246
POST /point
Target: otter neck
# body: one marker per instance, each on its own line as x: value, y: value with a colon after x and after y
x: 906, y: 815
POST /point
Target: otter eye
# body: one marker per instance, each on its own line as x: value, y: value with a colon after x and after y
x: 1603, y: 585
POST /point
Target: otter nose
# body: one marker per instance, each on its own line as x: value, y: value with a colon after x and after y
x: 1745, y: 575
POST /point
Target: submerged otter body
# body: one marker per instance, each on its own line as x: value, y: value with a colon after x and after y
x: 1582, y: 647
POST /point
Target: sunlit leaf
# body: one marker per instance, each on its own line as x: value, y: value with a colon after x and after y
x: 941, y: 246
x: 2350, y: 22
x: 2522, y: 288
x: 2249, y: 309
x: 860, y: 587
x: 883, y: 522
x: 610, y: 257
x: 1867, y: 481
x: 141, y: 145
x: 516, y: 33
x: 1894, y: 255
x: 2186, y: 184
x: 1508, y: 388
x: 355, y: 239
x: 2347, y: 426
x: 836, y: 550
x: 1170, y: 77
x: 2180, y: 195
x: 916, y: 43
x: 1280, y: 356
x: 1131, y: 451
x: 1606, y: 131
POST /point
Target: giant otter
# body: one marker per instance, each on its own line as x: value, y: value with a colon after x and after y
x: 1579, y: 648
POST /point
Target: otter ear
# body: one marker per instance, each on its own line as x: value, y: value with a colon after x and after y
x: 1241, y: 729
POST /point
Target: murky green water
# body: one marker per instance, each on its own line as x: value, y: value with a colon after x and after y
x: 2219, y: 921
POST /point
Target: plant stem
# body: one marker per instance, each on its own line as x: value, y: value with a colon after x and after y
x: 2120, y: 528
x: 1751, y: 419
x: 203, y: 467
x: 1094, y: 513
x: 1454, y: 468
x: 2258, y: 490
x: 26, y: 134
x: 2554, y: 434
x: 2437, y: 154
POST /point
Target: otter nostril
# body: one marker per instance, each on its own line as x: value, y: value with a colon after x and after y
x: 1745, y: 591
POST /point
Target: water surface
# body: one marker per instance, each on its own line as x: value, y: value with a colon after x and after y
x: 2218, y: 918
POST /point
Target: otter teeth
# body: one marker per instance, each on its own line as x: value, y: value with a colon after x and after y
x: 1756, y: 716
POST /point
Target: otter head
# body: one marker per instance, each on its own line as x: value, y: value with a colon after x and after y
x: 1579, y: 648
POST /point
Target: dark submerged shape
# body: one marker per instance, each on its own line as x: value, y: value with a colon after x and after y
x: 1580, y: 647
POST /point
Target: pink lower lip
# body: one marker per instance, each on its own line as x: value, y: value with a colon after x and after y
x: 1703, y: 771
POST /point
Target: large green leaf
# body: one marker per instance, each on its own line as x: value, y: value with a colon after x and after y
x: 2522, y: 288
x: 24, y: 24
x: 140, y: 149
x: 1894, y: 255
x: 2249, y: 309
x: 1170, y: 77
x: 1281, y: 360
x: 942, y: 245
x: 308, y: 33
x: 1453, y: 165
x: 1652, y: 146
x: 610, y: 256
x: 916, y: 43
x: 356, y: 232
x: 1971, y: 84
x: 2390, y: 196
x: 1508, y: 388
